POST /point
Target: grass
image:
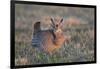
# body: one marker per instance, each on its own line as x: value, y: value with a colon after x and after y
x: 79, y: 49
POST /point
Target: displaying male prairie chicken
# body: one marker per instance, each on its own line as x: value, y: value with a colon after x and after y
x: 48, y: 40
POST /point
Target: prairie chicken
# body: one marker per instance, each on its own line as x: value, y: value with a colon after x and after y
x: 48, y: 40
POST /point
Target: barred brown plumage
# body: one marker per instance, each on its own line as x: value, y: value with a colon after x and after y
x: 48, y: 40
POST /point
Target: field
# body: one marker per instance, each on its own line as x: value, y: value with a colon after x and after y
x: 78, y: 23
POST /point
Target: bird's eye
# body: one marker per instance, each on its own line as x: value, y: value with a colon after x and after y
x: 57, y: 25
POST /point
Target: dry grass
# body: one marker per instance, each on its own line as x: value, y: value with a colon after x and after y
x: 80, y: 28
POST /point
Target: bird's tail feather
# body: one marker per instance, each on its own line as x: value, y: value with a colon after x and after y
x: 37, y: 27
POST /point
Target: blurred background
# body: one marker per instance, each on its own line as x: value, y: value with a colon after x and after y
x: 78, y: 23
